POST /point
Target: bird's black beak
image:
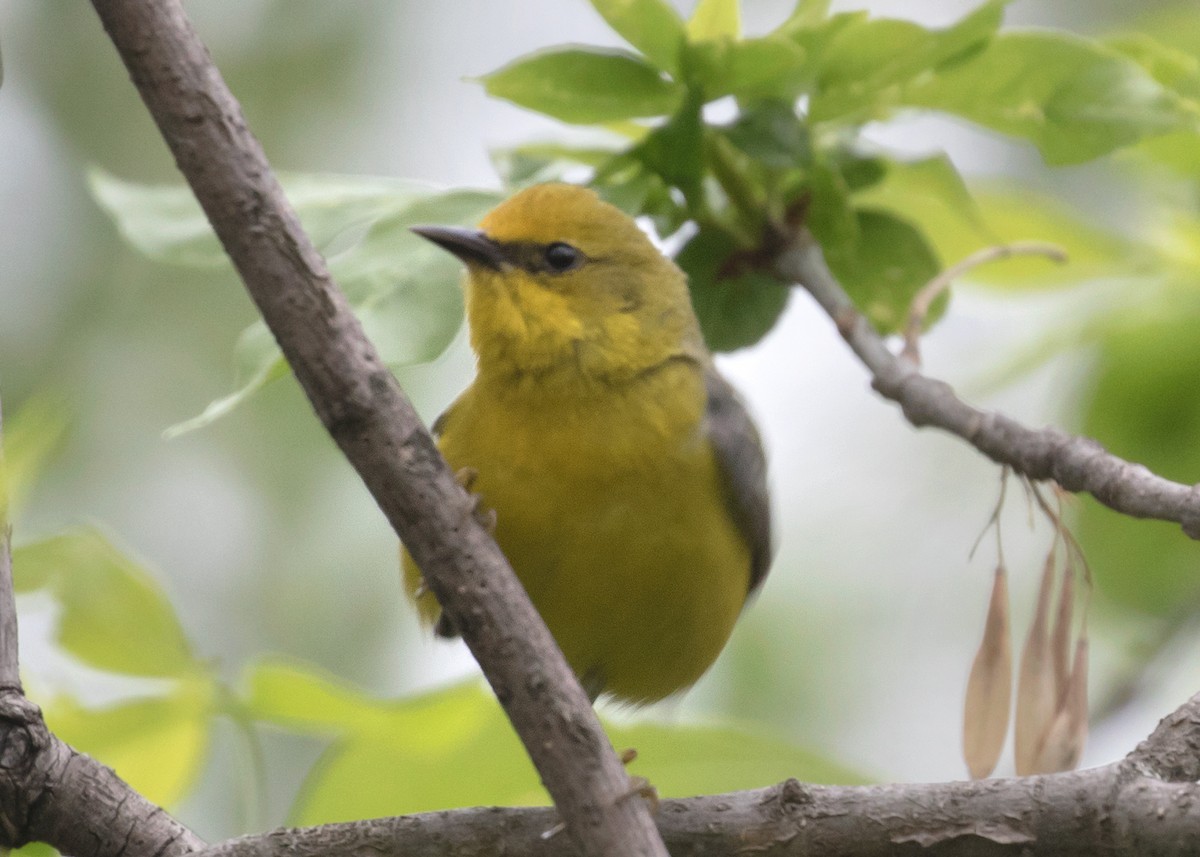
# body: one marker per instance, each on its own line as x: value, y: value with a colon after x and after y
x: 470, y: 245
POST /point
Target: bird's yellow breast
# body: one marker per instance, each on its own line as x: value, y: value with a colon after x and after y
x: 611, y: 509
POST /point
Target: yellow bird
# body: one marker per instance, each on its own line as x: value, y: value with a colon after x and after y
x: 627, y: 480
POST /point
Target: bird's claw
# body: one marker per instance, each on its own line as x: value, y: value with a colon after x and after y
x: 483, y: 515
x: 638, y: 786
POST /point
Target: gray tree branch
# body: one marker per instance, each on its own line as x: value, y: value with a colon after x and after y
x: 1142, y: 806
x: 1078, y: 464
x: 363, y: 408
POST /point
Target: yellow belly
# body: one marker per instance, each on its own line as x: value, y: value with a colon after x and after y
x: 615, y: 520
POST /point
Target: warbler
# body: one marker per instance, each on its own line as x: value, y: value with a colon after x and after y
x: 627, y: 480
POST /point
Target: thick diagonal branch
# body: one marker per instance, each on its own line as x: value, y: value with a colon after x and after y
x: 1078, y: 464
x: 378, y: 430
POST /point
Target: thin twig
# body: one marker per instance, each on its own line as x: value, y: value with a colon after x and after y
x: 918, y: 310
x: 1078, y: 464
x: 377, y: 428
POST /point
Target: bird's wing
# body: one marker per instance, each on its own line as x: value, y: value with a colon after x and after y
x: 744, y: 468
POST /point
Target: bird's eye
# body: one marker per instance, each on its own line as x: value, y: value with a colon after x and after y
x: 562, y: 257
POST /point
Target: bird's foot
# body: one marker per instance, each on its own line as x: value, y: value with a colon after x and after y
x: 483, y: 515
x: 638, y: 786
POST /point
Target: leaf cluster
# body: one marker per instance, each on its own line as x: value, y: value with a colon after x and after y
x: 796, y: 150
x: 727, y: 143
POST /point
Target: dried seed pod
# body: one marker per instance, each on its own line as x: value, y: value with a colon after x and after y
x: 1060, y: 636
x: 989, y: 688
x: 1064, y: 740
x: 1037, y: 699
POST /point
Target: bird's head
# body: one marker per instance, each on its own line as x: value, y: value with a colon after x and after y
x: 561, y: 281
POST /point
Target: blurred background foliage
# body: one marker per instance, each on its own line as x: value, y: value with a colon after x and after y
x: 238, y: 646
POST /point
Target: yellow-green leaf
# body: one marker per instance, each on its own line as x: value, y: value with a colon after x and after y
x: 715, y: 19
x: 651, y: 26
x: 409, y: 755
x: 158, y: 744
x: 1072, y: 98
x: 114, y: 615
x: 585, y: 86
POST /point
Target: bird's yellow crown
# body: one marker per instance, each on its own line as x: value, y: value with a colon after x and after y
x: 574, y: 287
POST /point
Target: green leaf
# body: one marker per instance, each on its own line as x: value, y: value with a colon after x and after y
x: 585, y: 85
x: 930, y: 193
x: 764, y: 67
x: 257, y: 360
x: 1141, y: 407
x: 882, y: 267
x: 831, y: 216
x: 715, y: 19
x: 675, y: 150
x: 771, y: 134
x: 405, y: 291
x: 534, y: 163
x: 166, y: 223
x: 1173, y: 68
x: 806, y: 15
x: 408, y: 750
x: 158, y: 745
x: 1179, y: 152
x: 412, y: 752
x: 31, y: 436
x: 736, y: 307
x: 682, y: 761
x: 1175, y: 26
x: 651, y: 26
x: 298, y: 697
x: 114, y: 615
x: 1072, y: 98
x: 865, y: 61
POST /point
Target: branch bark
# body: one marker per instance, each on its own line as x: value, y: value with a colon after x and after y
x: 1078, y: 464
x: 363, y: 408
x: 1141, y: 806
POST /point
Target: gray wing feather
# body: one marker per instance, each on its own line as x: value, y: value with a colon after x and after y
x: 744, y: 467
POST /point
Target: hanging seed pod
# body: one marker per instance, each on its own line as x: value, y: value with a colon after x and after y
x: 989, y: 688
x: 1060, y: 636
x: 1065, y: 739
x: 1036, y: 694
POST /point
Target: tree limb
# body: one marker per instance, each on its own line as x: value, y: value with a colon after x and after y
x: 363, y: 408
x: 1142, y: 806
x: 1078, y: 464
